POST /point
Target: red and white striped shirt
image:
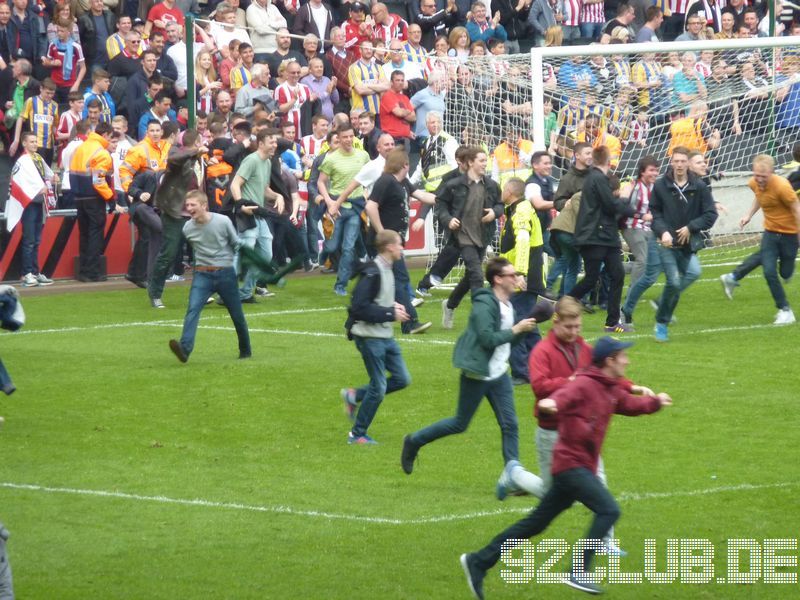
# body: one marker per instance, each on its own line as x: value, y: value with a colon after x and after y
x: 638, y: 130
x: 572, y: 13
x: 679, y: 7
x: 641, y: 195
x: 397, y: 29
x: 703, y: 69
x: 65, y: 125
x: 311, y: 147
x: 301, y: 94
x: 593, y: 13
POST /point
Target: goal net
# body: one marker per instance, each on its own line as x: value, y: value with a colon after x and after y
x: 728, y: 99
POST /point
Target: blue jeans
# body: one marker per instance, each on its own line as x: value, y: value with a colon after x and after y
x: 778, y: 249
x: 592, y: 31
x: 681, y: 269
x: 471, y: 391
x: 568, y: 264
x: 347, y: 232
x: 402, y: 293
x: 523, y: 303
x: 32, y: 224
x: 260, y: 238
x: 578, y: 484
x: 204, y: 284
x: 380, y: 355
x: 651, y: 272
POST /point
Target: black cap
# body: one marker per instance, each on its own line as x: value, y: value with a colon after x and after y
x: 358, y: 7
x: 138, y: 21
x: 608, y: 346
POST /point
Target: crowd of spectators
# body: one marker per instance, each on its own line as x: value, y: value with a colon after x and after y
x: 430, y: 74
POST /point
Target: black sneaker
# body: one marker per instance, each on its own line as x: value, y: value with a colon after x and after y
x: 178, y: 350
x: 408, y: 455
x: 581, y: 581
x: 474, y: 575
x: 249, y: 300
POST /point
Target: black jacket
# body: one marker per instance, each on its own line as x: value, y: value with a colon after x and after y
x: 38, y: 34
x: 88, y: 35
x: 362, y: 305
x: 599, y: 212
x: 451, y: 198
x: 570, y: 184
x: 515, y: 22
x: 671, y: 209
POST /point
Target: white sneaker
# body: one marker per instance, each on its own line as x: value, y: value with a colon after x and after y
x: 447, y: 316
x: 417, y: 302
x: 728, y: 284
x: 172, y: 278
x: 435, y: 281
x: 785, y: 316
x: 40, y: 277
x: 30, y: 280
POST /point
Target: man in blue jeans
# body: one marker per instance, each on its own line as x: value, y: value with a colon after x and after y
x: 372, y: 310
x: 337, y: 170
x: 482, y: 354
x: 777, y: 199
x: 584, y: 407
x: 215, y: 243
x: 682, y: 208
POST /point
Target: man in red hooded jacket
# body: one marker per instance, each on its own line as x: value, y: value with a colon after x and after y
x: 584, y: 407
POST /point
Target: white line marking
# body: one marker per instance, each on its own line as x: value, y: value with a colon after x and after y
x: 447, y: 518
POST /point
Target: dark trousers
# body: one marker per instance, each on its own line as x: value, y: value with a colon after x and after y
x: 402, y: 293
x: 444, y: 263
x: 91, y: 227
x: 473, y: 275
x: 593, y: 258
x: 171, y: 239
x: 500, y: 395
x: 32, y: 224
x: 578, y: 484
x: 778, y: 253
x: 523, y: 303
x: 535, y: 278
x: 204, y: 284
x: 287, y: 241
x: 148, y: 242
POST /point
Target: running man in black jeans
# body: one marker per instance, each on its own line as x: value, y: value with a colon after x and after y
x: 597, y: 237
x: 584, y: 408
x: 467, y: 207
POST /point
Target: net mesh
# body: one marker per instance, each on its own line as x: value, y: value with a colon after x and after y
x: 729, y: 104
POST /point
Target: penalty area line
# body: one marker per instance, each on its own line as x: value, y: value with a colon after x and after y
x: 447, y: 518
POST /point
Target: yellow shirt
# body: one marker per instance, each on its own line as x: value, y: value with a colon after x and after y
x: 777, y: 202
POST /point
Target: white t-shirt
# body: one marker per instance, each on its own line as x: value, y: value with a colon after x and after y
x: 320, y: 16
x: 118, y: 156
x: 498, y: 364
x: 66, y: 158
x: 369, y: 174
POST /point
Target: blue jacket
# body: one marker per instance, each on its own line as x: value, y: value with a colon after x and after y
x: 476, y: 34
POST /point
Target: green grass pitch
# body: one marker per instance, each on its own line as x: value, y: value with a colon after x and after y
x: 125, y: 474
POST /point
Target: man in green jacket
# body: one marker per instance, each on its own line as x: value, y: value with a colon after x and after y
x: 482, y: 354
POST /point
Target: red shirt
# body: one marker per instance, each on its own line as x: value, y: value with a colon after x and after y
x: 550, y: 365
x: 391, y: 124
x: 159, y: 12
x: 57, y: 73
x: 585, y: 406
x: 353, y: 36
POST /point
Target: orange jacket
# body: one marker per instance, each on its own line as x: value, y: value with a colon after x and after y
x: 90, y: 169
x: 144, y: 156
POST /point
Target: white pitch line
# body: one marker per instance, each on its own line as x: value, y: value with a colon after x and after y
x: 447, y: 518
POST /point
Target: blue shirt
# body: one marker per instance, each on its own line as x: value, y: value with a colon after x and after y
x: 788, y: 113
x: 424, y: 101
x: 683, y: 85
